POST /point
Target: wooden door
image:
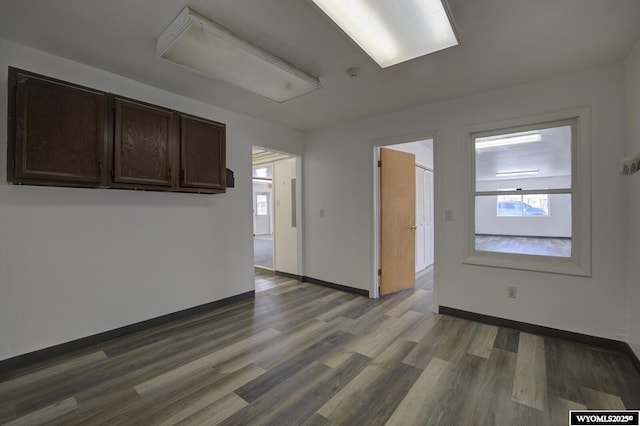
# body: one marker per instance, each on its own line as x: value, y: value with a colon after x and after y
x: 397, y: 220
x: 60, y: 132
x: 202, y: 154
x: 143, y: 144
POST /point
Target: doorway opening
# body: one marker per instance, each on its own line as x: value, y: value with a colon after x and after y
x: 263, y: 216
x: 404, y: 252
x: 276, y: 212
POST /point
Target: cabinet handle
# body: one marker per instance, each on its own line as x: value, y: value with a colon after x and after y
x: 169, y: 173
x: 184, y: 175
x: 100, y: 168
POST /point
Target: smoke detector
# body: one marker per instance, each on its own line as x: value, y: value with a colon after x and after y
x: 353, y: 72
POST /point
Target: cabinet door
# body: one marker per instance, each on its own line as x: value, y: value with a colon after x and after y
x: 202, y: 154
x: 143, y: 142
x: 60, y: 132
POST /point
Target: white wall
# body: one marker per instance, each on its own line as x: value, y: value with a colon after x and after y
x: 75, y: 262
x: 339, y: 178
x: 633, y: 194
x: 286, y: 234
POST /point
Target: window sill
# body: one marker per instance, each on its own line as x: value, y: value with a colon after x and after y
x: 547, y: 264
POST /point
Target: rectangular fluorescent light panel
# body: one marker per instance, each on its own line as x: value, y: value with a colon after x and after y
x: 196, y: 42
x: 517, y: 173
x: 393, y: 31
x: 491, y: 142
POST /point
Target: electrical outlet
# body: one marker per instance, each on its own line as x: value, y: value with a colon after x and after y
x: 511, y: 292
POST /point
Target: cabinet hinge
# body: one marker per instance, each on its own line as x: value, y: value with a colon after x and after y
x: 379, y: 163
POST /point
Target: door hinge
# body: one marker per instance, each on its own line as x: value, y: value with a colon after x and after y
x: 379, y: 272
x: 379, y: 163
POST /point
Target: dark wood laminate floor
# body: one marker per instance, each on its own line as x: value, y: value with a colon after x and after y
x: 304, y: 354
x: 540, y: 246
x: 263, y: 251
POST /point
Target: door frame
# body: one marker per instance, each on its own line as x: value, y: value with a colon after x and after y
x: 299, y: 216
x: 374, y: 292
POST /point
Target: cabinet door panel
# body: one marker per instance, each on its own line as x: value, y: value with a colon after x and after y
x: 202, y: 153
x: 60, y: 132
x: 143, y: 144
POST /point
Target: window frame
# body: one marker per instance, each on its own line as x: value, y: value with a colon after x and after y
x: 580, y: 261
x: 259, y: 204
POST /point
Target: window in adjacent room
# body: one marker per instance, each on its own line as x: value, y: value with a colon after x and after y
x: 527, y: 210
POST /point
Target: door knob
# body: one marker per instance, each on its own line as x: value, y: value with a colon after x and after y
x: 413, y: 228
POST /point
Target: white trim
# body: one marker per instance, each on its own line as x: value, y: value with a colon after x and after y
x: 420, y: 166
x: 580, y: 261
x: 375, y: 290
x: 438, y: 225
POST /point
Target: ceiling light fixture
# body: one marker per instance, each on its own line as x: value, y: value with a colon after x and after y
x: 491, y: 142
x: 393, y: 31
x: 517, y: 173
x: 196, y: 42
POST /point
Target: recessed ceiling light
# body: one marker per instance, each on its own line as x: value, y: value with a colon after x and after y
x: 393, y: 31
x: 196, y: 42
x: 490, y: 142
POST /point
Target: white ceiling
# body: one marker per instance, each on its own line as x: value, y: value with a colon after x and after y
x: 502, y: 42
x: 263, y: 156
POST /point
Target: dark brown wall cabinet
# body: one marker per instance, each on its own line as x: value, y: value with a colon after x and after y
x: 57, y: 132
x: 66, y: 135
x: 143, y: 144
x: 202, y: 153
